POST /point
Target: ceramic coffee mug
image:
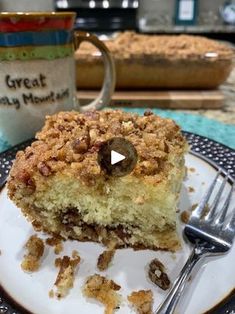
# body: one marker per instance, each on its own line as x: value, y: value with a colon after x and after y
x: 37, y: 70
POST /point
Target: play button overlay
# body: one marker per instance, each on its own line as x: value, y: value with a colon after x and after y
x: 117, y: 157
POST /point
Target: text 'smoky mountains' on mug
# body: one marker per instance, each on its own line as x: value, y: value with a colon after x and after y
x: 37, y: 70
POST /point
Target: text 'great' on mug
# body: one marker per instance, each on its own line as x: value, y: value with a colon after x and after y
x: 37, y: 70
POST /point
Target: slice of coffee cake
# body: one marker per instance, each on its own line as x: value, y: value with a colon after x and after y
x: 60, y: 187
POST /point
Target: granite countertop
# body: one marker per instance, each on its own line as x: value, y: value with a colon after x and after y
x: 227, y: 113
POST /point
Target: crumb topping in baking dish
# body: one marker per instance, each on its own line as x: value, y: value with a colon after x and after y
x: 129, y: 44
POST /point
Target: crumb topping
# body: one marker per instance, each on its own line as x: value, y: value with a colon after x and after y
x: 142, y: 301
x: 70, y: 141
x: 104, y: 291
x: 65, y: 278
x: 35, y: 250
x: 129, y: 44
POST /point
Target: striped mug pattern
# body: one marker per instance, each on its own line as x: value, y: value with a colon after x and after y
x: 37, y: 70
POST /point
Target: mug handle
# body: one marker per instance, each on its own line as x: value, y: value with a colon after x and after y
x: 107, y: 90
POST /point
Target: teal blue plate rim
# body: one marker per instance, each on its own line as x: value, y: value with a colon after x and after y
x: 195, y: 123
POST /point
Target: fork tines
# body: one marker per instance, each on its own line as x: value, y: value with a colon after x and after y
x: 211, y: 213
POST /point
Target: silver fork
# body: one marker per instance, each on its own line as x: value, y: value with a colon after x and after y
x: 211, y: 233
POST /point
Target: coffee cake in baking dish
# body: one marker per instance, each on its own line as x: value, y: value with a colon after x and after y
x: 60, y: 187
x: 157, y: 61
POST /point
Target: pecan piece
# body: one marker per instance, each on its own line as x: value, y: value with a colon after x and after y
x: 157, y: 274
x: 80, y: 146
x: 44, y: 169
x: 24, y: 177
x: 60, y: 127
x: 96, y: 146
x: 92, y: 115
x: 80, y: 121
x: 28, y: 154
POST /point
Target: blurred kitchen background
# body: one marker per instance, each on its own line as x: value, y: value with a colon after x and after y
x: 211, y: 17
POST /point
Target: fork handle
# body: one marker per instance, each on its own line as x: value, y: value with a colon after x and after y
x: 172, y: 299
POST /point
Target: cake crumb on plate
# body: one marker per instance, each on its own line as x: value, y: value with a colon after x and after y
x: 51, y: 294
x: 58, y: 248
x: 191, y: 189
x: 142, y: 301
x: 35, y: 248
x: 37, y: 226
x: 184, y: 216
x: 55, y: 241
x: 192, y: 169
x: 65, y: 278
x: 105, y: 259
x: 104, y: 291
x: 75, y: 254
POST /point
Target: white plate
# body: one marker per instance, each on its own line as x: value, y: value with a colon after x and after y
x: 212, y: 283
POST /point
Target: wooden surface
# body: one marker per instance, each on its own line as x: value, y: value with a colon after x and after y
x: 161, y: 99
